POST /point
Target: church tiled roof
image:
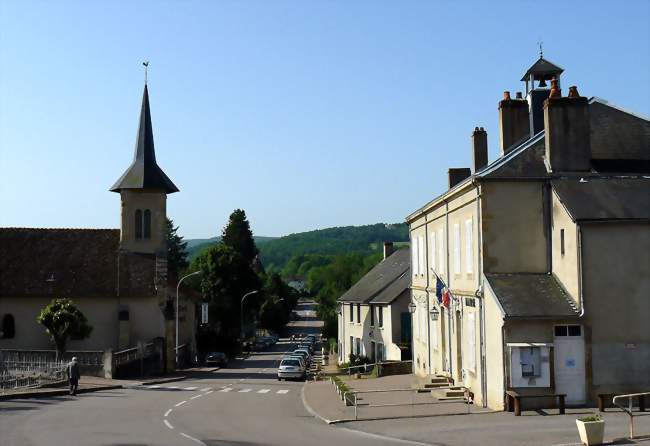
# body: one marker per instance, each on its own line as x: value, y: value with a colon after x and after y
x: 72, y: 263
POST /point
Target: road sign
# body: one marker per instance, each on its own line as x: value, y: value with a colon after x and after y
x: 204, y: 313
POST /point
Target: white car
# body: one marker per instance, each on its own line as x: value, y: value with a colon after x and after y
x: 291, y: 368
x: 300, y: 358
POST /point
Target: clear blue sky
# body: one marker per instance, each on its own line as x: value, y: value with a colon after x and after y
x: 306, y: 114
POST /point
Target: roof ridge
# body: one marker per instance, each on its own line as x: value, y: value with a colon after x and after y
x: 20, y: 228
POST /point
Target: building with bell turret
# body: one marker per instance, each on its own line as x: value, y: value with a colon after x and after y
x: 530, y: 273
x: 117, y: 277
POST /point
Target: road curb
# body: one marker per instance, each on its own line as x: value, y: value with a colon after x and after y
x: 62, y: 392
x: 161, y: 381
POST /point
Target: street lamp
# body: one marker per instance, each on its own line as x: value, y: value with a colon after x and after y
x: 241, y: 315
x: 177, y: 287
x: 434, y: 313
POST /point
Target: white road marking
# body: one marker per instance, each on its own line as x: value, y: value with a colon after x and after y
x: 196, y: 440
x: 191, y: 388
x: 155, y: 387
x: 283, y: 391
x: 180, y: 404
x: 264, y: 391
x: 168, y: 425
x: 172, y: 387
x: 206, y: 389
x: 245, y: 390
x: 208, y: 393
x: 197, y: 396
x: 226, y: 389
x: 168, y: 412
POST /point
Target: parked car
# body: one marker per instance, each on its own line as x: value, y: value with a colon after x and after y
x: 258, y: 346
x: 303, y: 352
x: 308, y: 347
x: 298, y: 357
x: 291, y: 368
x: 217, y: 358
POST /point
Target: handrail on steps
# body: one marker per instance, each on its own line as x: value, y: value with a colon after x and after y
x: 628, y: 409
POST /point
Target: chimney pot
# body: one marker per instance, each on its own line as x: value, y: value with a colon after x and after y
x: 506, y: 95
x: 388, y: 249
x: 458, y: 174
x: 568, y: 135
x: 555, y: 90
x: 573, y: 92
x: 518, y: 95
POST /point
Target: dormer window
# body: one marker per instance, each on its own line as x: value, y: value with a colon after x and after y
x: 138, y: 224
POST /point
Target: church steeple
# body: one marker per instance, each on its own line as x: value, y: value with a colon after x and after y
x: 144, y: 173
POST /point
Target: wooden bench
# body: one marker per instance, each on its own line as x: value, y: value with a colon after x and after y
x: 605, y: 400
x: 514, y: 400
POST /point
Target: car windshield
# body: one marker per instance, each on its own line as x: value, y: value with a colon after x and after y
x: 290, y: 362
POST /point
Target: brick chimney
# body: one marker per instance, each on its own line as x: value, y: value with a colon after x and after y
x: 458, y: 174
x: 568, y: 140
x: 514, y: 121
x: 388, y: 249
x: 479, y: 149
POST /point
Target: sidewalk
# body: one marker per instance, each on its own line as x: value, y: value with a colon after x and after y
x: 88, y: 384
x: 448, y: 423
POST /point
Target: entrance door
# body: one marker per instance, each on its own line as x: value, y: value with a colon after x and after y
x: 459, y: 346
x: 569, y: 356
x: 372, y: 351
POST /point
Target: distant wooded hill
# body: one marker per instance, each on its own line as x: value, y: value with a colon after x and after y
x: 196, y: 245
x: 276, y: 252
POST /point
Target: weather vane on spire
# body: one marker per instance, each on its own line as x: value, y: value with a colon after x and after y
x: 541, y: 49
x: 146, y: 66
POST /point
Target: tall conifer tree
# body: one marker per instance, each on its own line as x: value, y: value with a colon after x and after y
x: 238, y: 235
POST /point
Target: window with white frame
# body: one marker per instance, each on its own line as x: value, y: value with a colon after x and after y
x: 470, y: 331
x: 456, y: 248
x: 421, y: 255
x: 441, y: 252
x: 469, y: 248
x: 434, y: 253
x: 414, y: 255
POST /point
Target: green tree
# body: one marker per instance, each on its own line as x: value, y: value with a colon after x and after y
x: 238, y: 235
x: 63, y: 320
x: 176, y: 250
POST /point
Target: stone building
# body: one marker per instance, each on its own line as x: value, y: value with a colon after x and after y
x: 532, y: 272
x: 373, y: 317
x: 117, y: 277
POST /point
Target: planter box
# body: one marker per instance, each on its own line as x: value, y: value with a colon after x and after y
x: 591, y: 432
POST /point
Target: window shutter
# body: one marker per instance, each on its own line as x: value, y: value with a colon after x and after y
x: 469, y: 247
x: 470, y: 360
x: 456, y: 248
x: 421, y: 255
x: 432, y: 258
x: 441, y: 252
x: 414, y: 255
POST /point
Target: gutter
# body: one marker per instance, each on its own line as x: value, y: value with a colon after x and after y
x: 479, y: 295
x: 449, y: 318
x: 580, y: 286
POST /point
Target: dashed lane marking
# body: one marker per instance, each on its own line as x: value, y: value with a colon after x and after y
x: 208, y: 393
x: 244, y: 390
x: 168, y: 425
x: 283, y: 391
x: 197, y: 396
x: 227, y: 389
x: 196, y: 440
x: 264, y: 391
x: 168, y: 412
x: 191, y: 388
x: 180, y: 404
x: 155, y: 387
x: 206, y: 389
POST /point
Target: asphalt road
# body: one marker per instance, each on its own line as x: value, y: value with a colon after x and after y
x: 242, y: 405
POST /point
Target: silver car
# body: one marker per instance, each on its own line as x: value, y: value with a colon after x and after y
x: 291, y: 368
x: 300, y: 358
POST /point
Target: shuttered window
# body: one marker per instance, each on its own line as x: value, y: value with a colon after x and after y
x: 470, y: 331
x: 441, y: 252
x: 456, y: 248
x: 434, y: 253
x: 421, y: 255
x: 469, y: 247
x: 414, y: 255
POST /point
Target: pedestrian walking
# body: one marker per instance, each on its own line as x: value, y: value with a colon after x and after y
x: 73, y: 376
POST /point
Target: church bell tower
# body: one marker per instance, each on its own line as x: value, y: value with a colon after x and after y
x: 143, y: 189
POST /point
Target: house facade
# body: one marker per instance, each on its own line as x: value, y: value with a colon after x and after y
x: 117, y: 277
x: 532, y: 272
x: 373, y: 318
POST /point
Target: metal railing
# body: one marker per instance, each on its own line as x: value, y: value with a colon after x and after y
x: 628, y: 410
x: 15, y: 374
x: 367, y: 368
x: 412, y: 403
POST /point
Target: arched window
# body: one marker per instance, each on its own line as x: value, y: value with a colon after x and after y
x: 147, y: 224
x: 8, y: 327
x: 138, y: 224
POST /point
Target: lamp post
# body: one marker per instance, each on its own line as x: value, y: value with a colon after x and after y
x: 241, y: 316
x: 412, y: 308
x: 434, y: 313
x: 177, y: 287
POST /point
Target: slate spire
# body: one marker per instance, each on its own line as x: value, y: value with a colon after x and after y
x: 144, y: 173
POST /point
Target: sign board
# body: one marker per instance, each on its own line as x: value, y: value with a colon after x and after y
x: 204, y: 313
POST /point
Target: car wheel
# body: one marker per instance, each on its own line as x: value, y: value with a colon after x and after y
x: 279, y: 379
